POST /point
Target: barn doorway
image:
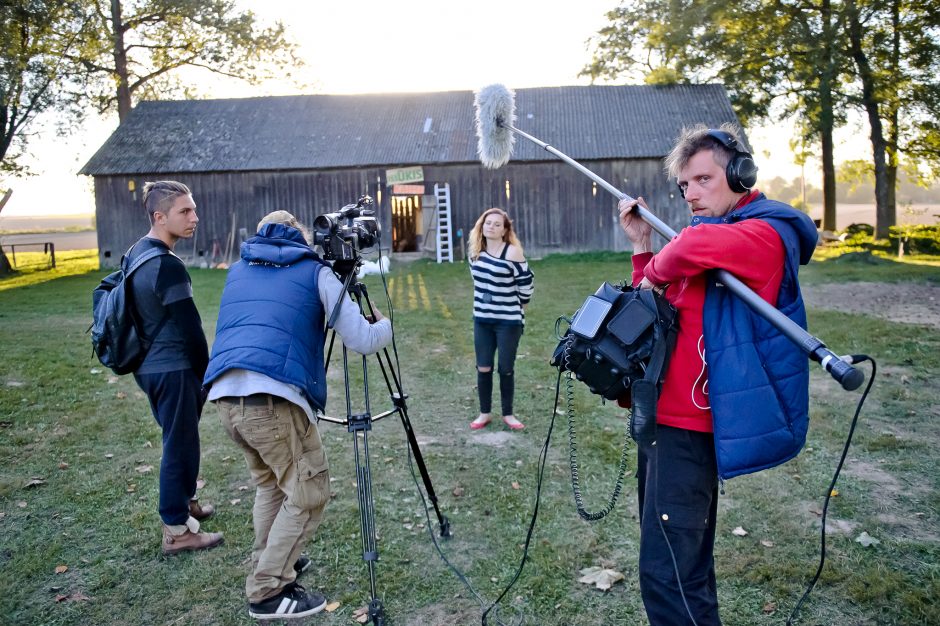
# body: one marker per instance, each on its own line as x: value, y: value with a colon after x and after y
x: 406, y: 222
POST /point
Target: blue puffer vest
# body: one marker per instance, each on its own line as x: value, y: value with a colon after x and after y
x: 758, y: 380
x: 271, y: 320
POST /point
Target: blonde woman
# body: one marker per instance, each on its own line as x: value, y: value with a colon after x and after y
x: 502, y: 287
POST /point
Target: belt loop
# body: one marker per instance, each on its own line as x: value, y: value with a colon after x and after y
x: 241, y: 404
x: 270, y: 402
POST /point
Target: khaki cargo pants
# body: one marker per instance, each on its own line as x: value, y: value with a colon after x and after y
x: 289, y: 469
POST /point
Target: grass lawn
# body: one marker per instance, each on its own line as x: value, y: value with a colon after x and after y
x: 80, y: 453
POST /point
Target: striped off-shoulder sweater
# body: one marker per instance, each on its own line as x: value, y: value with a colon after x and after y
x: 500, y: 289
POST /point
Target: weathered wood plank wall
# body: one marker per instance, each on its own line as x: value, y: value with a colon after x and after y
x: 554, y: 206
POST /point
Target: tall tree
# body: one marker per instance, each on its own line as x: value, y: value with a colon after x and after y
x: 762, y: 51
x: 137, y: 46
x: 36, y: 36
x: 895, y: 46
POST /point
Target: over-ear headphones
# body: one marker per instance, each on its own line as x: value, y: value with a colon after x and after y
x: 741, y: 171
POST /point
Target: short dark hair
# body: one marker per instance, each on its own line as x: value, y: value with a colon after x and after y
x: 159, y: 195
x: 693, y: 140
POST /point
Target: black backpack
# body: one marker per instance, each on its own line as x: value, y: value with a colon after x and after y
x: 619, y: 343
x: 116, y: 334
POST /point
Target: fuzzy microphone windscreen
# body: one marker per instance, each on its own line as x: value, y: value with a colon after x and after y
x: 495, y: 109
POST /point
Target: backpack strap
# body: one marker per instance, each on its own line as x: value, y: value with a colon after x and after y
x: 152, y: 253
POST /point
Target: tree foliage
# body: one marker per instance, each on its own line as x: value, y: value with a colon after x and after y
x: 36, y: 37
x: 76, y: 56
x: 135, y: 47
x: 814, y: 58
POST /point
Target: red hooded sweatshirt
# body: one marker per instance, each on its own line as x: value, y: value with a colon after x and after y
x: 752, y: 251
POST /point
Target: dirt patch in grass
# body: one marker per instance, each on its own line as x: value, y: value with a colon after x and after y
x: 443, y: 615
x: 909, y: 303
x: 496, y: 439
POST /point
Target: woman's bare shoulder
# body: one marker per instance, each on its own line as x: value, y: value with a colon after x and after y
x: 515, y: 254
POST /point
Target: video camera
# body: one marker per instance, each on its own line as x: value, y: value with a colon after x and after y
x: 343, y: 235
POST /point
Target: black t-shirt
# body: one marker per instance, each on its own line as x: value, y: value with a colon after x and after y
x: 161, y: 288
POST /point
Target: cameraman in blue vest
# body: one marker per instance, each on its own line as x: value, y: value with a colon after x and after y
x: 267, y: 379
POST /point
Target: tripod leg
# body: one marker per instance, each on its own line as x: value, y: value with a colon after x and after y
x: 359, y: 426
x: 398, y: 397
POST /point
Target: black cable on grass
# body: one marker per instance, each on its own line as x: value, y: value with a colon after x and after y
x: 494, y: 606
x: 856, y: 358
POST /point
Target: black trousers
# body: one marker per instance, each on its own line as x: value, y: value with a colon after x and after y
x: 176, y: 401
x: 487, y: 340
x: 678, y: 497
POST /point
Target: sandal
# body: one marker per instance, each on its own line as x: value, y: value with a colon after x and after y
x: 512, y: 422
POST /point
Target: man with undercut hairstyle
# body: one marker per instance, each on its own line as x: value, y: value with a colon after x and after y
x: 735, y: 398
x: 171, y: 373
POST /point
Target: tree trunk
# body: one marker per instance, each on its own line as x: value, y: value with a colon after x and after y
x: 826, y: 124
x: 891, y: 166
x: 120, y: 61
x: 5, y: 267
x: 884, y: 213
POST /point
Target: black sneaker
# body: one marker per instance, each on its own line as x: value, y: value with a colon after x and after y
x: 302, y: 564
x: 294, y: 601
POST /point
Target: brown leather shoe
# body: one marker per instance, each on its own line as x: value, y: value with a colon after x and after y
x: 199, y: 511
x: 189, y: 541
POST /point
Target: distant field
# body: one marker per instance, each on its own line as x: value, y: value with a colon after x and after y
x: 46, y: 222
x: 865, y: 214
x: 66, y: 232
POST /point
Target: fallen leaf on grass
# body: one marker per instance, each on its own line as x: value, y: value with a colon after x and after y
x: 600, y: 577
x: 143, y: 469
x: 361, y: 614
x: 515, y: 485
x: 200, y: 483
x: 63, y: 465
x: 94, y: 370
x: 739, y: 532
x: 235, y: 501
x: 834, y: 493
x: 770, y: 607
x: 21, y: 504
x: 61, y: 598
x: 34, y: 482
x: 458, y: 492
x: 332, y: 606
x: 120, y: 395
x: 867, y: 540
x: 109, y: 456
x: 61, y: 569
x: 767, y: 543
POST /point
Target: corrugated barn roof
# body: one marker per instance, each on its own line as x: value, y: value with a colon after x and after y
x: 343, y: 131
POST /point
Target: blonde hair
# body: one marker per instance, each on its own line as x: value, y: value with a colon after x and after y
x: 475, y: 243
x: 285, y: 218
x: 693, y: 140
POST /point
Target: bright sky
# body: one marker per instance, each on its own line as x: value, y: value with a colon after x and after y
x: 368, y: 46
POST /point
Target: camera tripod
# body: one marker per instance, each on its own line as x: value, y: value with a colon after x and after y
x: 360, y: 424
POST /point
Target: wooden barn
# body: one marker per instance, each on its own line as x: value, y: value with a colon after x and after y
x: 414, y: 153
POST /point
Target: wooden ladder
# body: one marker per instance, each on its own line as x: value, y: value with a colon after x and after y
x: 445, y: 249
